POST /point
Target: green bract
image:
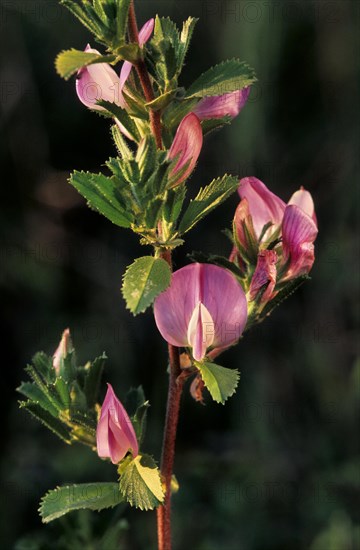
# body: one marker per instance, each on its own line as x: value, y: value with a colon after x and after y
x: 220, y: 382
x: 140, y: 482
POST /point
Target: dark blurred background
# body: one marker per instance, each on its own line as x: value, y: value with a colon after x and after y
x: 278, y: 467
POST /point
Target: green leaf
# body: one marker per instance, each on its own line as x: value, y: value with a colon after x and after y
x: 166, y: 29
x: 47, y: 389
x: 44, y: 366
x: 146, y: 158
x: 206, y: 200
x: 36, y: 395
x: 91, y: 496
x: 62, y: 389
x: 164, y: 51
x: 145, y: 279
x: 162, y: 101
x: 106, y: 19
x: 120, y: 143
x: 122, y: 116
x: 140, y: 483
x: 92, y: 380
x: 185, y: 38
x: 220, y: 382
x: 69, y: 62
x: 121, y: 19
x: 100, y: 192
x: 227, y: 77
x: 92, y: 23
x: 68, y: 366
x: 52, y: 423
x: 174, y: 202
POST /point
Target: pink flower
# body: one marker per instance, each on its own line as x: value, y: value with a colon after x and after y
x: 264, y: 206
x: 294, y: 224
x: 264, y: 276
x: 204, y: 307
x: 186, y: 146
x: 98, y: 82
x: 115, y: 434
x: 222, y: 105
x: 62, y: 350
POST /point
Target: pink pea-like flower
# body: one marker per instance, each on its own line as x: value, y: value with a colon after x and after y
x: 186, y: 147
x: 62, y: 350
x: 265, y: 217
x: 220, y: 106
x: 204, y: 307
x: 263, y: 206
x: 100, y: 82
x: 115, y: 434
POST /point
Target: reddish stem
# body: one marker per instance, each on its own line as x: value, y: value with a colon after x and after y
x: 176, y: 382
x: 155, y: 116
x: 176, y: 379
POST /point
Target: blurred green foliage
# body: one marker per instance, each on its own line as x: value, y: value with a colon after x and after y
x: 278, y: 467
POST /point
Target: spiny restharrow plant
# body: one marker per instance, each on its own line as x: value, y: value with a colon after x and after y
x: 158, y: 127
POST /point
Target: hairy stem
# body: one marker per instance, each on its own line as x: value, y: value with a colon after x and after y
x: 155, y: 117
x: 176, y: 382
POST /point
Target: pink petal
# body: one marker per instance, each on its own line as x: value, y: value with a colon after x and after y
x: 98, y: 82
x: 146, y: 31
x: 216, y: 289
x: 304, y: 200
x: 299, y: 232
x: 187, y: 144
x: 118, y: 444
x: 174, y: 307
x: 264, y: 206
x: 200, y: 331
x: 115, y: 434
x: 222, y: 105
x: 265, y: 274
x: 102, y: 437
x: 124, y: 74
x: 225, y: 300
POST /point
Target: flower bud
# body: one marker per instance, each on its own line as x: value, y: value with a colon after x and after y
x: 115, y: 434
x: 62, y: 350
x: 221, y: 106
x: 186, y: 148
